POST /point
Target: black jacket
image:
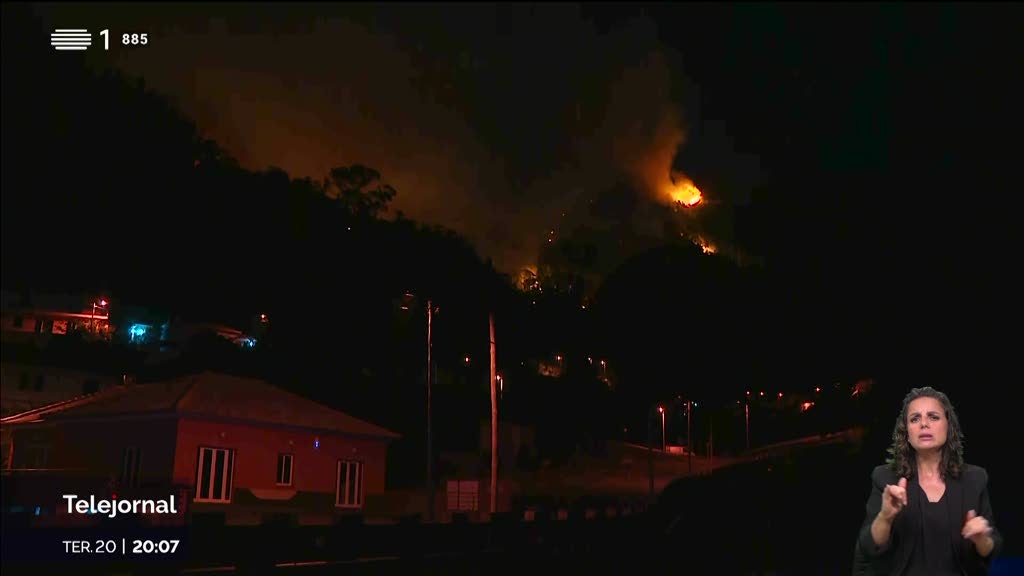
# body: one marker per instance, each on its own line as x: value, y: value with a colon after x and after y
x: 968, y: 492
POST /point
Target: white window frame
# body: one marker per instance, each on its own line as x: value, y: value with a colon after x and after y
x: 349, y: 472
x: 227, y: 474
x: 284, y: 475
x: 131, y: 467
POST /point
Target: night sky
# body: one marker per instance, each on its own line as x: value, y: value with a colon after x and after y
x: 492, y: 120
x: 866, y: 153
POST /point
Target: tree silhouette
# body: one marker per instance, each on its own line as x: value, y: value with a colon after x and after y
x: 360, y: 190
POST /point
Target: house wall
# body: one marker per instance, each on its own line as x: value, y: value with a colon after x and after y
x: 255, y: 493
x: 87, y: 458
x: 97, y: 447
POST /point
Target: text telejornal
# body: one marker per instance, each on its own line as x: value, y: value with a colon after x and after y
x: 114, y: 507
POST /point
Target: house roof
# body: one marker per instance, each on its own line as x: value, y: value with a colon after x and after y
x: 210, y: 395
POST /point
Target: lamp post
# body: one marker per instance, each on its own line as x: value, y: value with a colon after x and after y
x: 746, y: 410
x: 650, y: 446
x: 689, y: 439
x: 101, y: 304
x: 662, y: 410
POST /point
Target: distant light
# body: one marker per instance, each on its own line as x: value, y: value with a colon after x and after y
x: 316, y: 443
x: 559, y: 358
x: 762, y: 393
x: 817, y: 388
x: 748, y: 392
x: 103, y: 302
x: 38, y: 510
x: 660, y: 409
x: 806, y: 405
x: 466, y: 359
x: 780, y: 394
x: 137, y: 332
x: 602, y: 362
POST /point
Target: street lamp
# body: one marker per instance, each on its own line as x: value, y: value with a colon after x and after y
x: 689, y: 439
x: 746, y: 409
x: 101, y: 304
x: 662, y: 410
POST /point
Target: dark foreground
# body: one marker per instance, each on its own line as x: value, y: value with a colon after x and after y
x: 796, y: 513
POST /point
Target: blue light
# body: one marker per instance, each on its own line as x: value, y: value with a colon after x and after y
x: 38, y: 510
x: 137, y: 332
x: 316, y: 443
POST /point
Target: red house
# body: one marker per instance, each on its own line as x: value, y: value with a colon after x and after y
x: 238, y: 449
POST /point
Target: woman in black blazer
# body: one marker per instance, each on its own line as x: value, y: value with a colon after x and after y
x: 929, y: 512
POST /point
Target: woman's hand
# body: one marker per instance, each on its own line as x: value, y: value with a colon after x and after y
x: 978, y: 531
x: 894, y: 499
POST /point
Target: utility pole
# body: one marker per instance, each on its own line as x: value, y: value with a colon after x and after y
x: 689, y: 438
x: 494, y: 423
x: 747, y: 410
x: 430, y: 451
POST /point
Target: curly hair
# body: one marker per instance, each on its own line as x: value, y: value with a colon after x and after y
x: 902, y: 459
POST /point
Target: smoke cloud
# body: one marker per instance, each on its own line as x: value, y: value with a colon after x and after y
x: 490, y: 120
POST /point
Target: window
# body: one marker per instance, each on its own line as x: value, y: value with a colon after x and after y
x: 59, y: 327
x: 214, y: 473
x: 463, y: 495
x: 284, y: 469
x: 348, y: 491
x: 37, y: 455
x: 131, y: 465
